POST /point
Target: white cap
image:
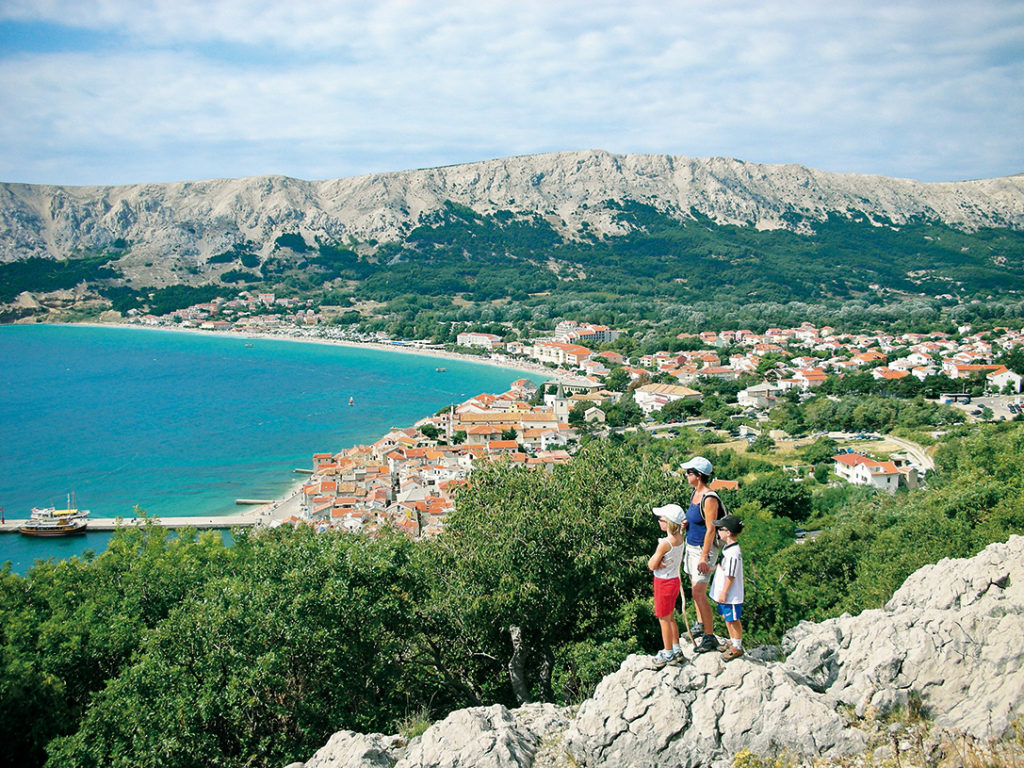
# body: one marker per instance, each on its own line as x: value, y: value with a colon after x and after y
x: 700, y: 464
x: 671, y: 512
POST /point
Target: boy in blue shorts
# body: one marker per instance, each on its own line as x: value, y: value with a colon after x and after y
x: 727, y: 586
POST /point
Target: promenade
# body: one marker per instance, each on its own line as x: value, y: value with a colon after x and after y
x: 244, y: 520
x: 263, y: 512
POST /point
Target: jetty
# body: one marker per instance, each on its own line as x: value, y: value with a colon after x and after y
x: 245, y: 520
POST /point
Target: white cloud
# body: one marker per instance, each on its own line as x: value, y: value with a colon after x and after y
x: 929, y: 90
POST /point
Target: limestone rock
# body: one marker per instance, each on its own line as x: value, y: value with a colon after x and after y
x: 347, y: 749
x: 483, y: 737
x: 187, y: 222
x: 949, y: 640
x: 703, y: 713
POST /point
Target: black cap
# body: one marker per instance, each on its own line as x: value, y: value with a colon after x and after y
x: 730, y: 523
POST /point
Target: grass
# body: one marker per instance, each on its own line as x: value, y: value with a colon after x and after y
x: 414, y: 724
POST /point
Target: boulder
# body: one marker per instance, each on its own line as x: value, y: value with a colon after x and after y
x: 703, y: 713
x: 484, y: 737
x: 949, y: 642
x: 347, y: 749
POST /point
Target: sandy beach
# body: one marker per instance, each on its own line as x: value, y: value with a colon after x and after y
x: 502, y: 361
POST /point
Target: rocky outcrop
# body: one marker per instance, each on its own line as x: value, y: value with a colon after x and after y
x: 948, y: 644
x: 482, y: 737
x: 190, y: 221
x: 949, y: 639
x: 703, y: 713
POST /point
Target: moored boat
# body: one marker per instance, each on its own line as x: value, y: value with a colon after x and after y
x: 49, y: 521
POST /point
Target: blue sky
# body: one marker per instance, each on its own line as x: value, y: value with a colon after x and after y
x: 128, y: 91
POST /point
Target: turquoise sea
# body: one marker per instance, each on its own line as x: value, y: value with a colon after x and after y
x: 182, y: 423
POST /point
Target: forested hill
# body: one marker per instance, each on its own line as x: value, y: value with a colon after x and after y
x: 574, y: 222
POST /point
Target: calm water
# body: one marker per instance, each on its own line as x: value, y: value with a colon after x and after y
x: 183, y: 424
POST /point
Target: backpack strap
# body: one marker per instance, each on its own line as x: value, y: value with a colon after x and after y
x: 716, y: 497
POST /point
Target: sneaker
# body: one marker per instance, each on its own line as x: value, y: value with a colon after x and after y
x: 662, y: 658
x: 732, y: 652
x: 696, y: 630
x: 709, y: 643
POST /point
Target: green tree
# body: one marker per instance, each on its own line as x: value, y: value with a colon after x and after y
x: 306, y: 634
x: 536, y: 563
x: 71, y: 625
x: 778, y: 495
x: 618, y: 380
x: 577, y: 415
x: 763, y: 445
x: 820, y: 451
x: 679, y: 410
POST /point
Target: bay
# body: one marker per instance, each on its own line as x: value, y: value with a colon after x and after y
x: 183, y: 423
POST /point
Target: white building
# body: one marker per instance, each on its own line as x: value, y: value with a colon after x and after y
x: 654, y: 397
x: 485, y: 340
x: 759, y: 396
x: 857, y: 469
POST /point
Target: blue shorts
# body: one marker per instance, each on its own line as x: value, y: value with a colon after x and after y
x: 731, y: 611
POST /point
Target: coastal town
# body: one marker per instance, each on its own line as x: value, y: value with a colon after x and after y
x: 409, y: 476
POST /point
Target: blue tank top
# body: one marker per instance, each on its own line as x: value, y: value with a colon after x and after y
x: 695, y: 527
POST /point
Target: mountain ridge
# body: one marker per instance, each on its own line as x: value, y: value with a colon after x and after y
x: 190, y: 221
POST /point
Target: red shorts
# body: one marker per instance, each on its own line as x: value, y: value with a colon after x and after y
x: 666, y: 592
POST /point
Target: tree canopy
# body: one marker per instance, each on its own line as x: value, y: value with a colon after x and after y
x: 180, y: 651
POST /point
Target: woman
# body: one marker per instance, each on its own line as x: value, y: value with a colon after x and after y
x: 701, y: 552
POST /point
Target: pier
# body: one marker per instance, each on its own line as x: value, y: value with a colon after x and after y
x: 245, y: 520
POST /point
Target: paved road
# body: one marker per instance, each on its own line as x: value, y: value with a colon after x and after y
x: 917, y: 452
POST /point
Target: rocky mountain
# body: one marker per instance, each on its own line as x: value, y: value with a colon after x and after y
x: 187, y: 222
x: 938, y: 673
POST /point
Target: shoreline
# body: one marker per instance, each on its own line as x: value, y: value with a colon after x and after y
x: 444, y: 354
x: 282, y: 507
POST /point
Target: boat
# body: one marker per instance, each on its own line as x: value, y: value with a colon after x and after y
x: 49, y: 521
x: 351, y: 401
x: 440, y: 370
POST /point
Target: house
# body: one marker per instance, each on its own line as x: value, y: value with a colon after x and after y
x: 759, y: 395
x: 869, y: 357
x: 888, y: 374
x: 996, y: 376
x: 858, y: 469
x: 654, y: 397
x: 570, y: 331
x: 999, y: 380
x: 809, y: 378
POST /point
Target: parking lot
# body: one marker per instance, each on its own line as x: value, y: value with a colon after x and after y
x: 998, y: 404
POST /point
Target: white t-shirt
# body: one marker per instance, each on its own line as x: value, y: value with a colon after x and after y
x: 670, y: 561
x: 730, y: 564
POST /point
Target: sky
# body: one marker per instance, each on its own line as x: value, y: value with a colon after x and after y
x: 133, y: 91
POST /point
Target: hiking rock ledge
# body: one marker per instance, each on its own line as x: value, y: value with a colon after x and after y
x: 949, y: 642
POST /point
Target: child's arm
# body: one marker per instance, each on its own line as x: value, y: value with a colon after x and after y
x: 726, y: 586
x: 655, y: 562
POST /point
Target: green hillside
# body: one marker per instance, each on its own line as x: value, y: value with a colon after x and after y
x: 846, y: 269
